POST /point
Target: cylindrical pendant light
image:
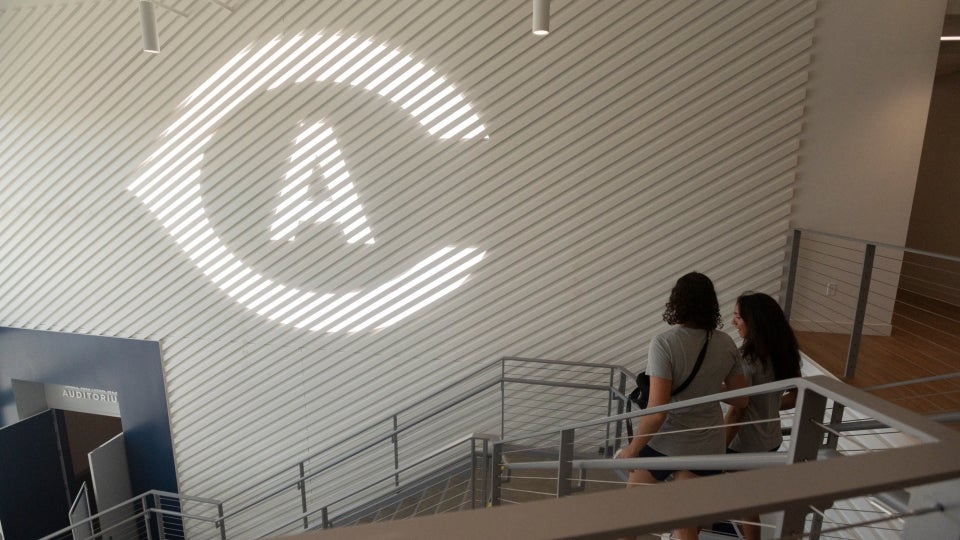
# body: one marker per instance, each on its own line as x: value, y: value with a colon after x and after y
x: 148, y: 25
x: 541, y: 17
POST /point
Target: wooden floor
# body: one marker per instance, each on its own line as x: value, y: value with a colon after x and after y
x: 925, y: 341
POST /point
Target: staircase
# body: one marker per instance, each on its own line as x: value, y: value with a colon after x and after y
x: 446, y: 479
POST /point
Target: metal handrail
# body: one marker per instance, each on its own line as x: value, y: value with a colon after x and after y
x: 142, y: 498
x: 784, y: 385
x: 562, y: 363
x: 791, y: 489
x: 347, y: 438
x: 348, y: 454
x: 826, y: 386
x: 744, y: 461
x: 384, y: 478
x: 921, y: 380
x: 882, y: 244
x: 863, y: 294
x: 806, y: 445
x: 446, y: 448
x: 357, y: 450
x: 441, y: 390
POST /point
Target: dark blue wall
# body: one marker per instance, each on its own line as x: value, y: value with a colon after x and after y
x: 132, y: 368
x: 33, y: 497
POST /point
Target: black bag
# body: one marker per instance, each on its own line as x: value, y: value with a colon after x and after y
x: 641, y: 394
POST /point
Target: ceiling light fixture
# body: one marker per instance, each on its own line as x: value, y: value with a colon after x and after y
x: 148, y: 25
x: 541, y: 17
x: 949, y: 38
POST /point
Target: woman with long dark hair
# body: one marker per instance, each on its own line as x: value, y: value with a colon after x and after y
x: 693, y: 313
x: 770, y: 353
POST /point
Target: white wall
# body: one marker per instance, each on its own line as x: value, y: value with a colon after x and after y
x: 870, y: 85
x: 866, y: 112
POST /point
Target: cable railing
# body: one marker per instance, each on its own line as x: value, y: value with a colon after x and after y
x: 393, y: 456
x: 895, y: 304
x: 530, y: 470
x: 453, y: 476
x: 887, y: 473
x: 153, y: 514
x: 511, y: 395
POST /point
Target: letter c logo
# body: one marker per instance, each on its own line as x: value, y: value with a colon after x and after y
x: 169, y: 179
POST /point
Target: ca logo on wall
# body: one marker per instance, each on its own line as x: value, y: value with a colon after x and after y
x: 314, y: 187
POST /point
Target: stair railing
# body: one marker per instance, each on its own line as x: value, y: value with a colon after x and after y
x: 521, y: 383
x: 443, y: 457
x: 161, y: 513
x: 842, y: 285
x: 824, y: 480
x: 152, y: 514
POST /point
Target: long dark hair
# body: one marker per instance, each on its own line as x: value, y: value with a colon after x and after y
x: 693, y: 301
x: 769, y: 339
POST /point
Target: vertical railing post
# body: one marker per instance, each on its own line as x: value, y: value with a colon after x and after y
x: 159, y: 516
x: 622, y: 388
x: 473, y: 473
x: 483, y: 471
x: 221, y: 522
x: 495, y: 465
x: 607, y: 443
x: 396, y: 452
x: 146, y: 516
x: 792, y: 273
x: 325, y: 518
x: 836, y: 418
x: 806, y: 440
x: 503, y: 397
x: 565, y: 464
x: 302, y: 485
x: 858, y: 318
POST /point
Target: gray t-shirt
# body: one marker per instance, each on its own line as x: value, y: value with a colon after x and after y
x: 673, y: 355
x: 765, y: 436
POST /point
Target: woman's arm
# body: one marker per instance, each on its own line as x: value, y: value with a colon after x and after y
x: 788, y: 400
x: 736, y: 381
x: 650, y: 424
x: 733, y: 416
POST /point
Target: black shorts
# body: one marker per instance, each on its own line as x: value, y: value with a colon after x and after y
x: 732, y: 451
x: 663, y: 474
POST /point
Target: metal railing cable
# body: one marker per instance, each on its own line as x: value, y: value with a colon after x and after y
x: 876, y: 410
x: 903, y: 304
x: 513, y: 371
x: 347, y: 455
x: 135, y: 515
x: 726, y: 462
x: 429, y: 457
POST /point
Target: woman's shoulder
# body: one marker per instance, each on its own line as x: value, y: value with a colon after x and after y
x: 723, y: 338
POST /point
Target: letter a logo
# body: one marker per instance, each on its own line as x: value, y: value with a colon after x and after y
x: 314, y: 187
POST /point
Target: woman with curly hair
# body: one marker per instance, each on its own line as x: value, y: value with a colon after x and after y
x: 770, y: 353
x: 693, y: 313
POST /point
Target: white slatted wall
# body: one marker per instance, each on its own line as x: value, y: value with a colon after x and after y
x: 638, y: 141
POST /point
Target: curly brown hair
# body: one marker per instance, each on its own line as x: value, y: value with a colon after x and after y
x: 693, y: 301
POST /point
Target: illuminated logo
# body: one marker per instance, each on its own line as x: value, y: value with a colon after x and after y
x: 169, y: 182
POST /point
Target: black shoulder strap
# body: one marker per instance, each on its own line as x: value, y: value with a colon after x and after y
x: 682, y: 387
x: 696, y: 368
